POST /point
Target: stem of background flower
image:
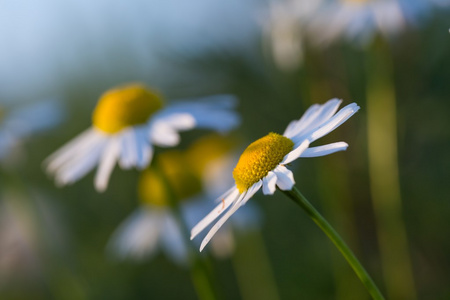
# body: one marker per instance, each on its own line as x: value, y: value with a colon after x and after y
x: 200, y: 270
x: 384, y: 173
x: 252, y: 268
x: 299, y: 199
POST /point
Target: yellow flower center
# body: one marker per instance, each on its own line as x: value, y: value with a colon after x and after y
x: 125, y: 106
x: 260, y: 157
x: 208, y: 149
x: 172, y: 178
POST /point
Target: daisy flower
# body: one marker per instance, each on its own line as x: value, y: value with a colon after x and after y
x: 153, y: 226
x: 263, y: 163
x: 360, y: 20
x: 126, y: 123
x: 20, y: 123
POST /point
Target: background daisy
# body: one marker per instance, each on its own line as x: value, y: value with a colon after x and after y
x: 127, y: 122
x: 190, y: 177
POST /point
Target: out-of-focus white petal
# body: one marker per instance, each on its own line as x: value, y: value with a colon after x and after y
x: 107, y: 161
x: 80, y: 163
x: 129, y: 147
x: 285, y: 178
x: 80, y: 142
x: 173, y: 242
x: 144, y: 151
x: 213, y: 112
x: 324, y: 150
x: 34, y: 118
x: 137, y: 237
x: 164, y: 135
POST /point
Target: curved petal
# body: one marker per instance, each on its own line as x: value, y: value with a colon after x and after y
x: 222, y: 220
x: 228, y: 198
x: 269, y: 183
x: 107, y: 161
x: 137, y: 237
x: 213, y: 112
x: 324, y: 150
x: 77, y: 144
x: 285, y: 178
x: 80, y: 163
x: 334, y: 122
x: 296, y: 153
x: 315, y: 116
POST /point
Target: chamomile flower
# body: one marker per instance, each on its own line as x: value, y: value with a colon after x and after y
x: 127, y: 122
x: 183, y: 176
x: 263, y: 163
x: 20, y: 123
x: 361, y: 20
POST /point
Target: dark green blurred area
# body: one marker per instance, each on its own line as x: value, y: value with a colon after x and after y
x: 73, y: 262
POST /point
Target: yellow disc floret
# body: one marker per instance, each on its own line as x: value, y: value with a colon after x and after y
x: 260, y: 157
x: 125, y: 106
x: 171, y: 177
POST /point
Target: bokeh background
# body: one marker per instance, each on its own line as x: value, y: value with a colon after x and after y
x: 388, y: 194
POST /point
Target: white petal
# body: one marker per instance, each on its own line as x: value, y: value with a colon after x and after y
x: 335, y: 121
x: 80, y: 164
x: 228, y: 214
x: 251, y: 191
x: 129, y: 148
x: 213, y: 112
x: 315, y: 116
x: 163, y: 134
x: 107, y: 162
x: 143, y: 148
x: 243, y: 198
x: 137, y: 237
x: 269, y: 183
x: 296, y: 153
x: 126, y: 153
x: 228, y: 198
x: 59, y: 157
x: 324, y: 150
x: 285, y: 178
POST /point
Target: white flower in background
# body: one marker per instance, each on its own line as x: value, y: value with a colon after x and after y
x: 20, y: 123
x: 282, y: 24
x: 361, y: 20
x: 127, y: 122
x: 263, y: 163
x: 154, y: 227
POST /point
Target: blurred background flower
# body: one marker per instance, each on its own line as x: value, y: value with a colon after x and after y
x: 268, y: 57
x: 192, y: 178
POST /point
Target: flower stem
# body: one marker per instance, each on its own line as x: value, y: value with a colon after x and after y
x: 200, y: 270
x: 367, y: 281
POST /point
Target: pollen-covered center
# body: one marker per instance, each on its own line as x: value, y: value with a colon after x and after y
x: 259, y: 158
x: 125, y: 106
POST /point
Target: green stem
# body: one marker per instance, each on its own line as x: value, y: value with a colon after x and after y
x: 298, y: 198
x: 200, y: 271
